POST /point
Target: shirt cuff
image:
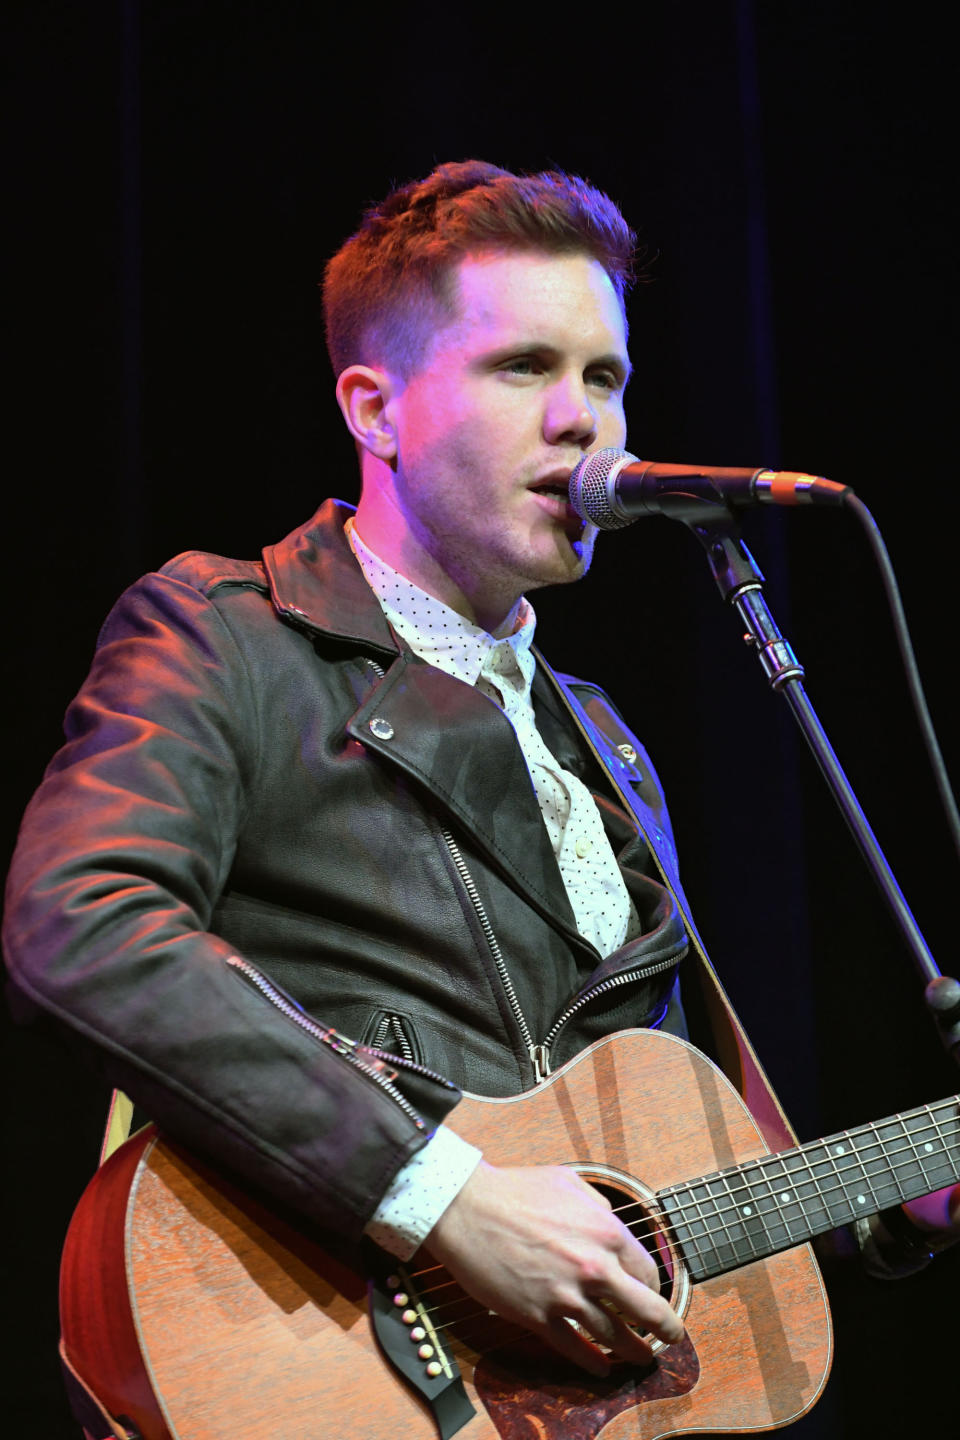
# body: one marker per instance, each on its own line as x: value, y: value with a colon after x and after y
x: 421, y: 1191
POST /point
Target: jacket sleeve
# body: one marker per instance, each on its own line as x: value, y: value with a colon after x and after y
x: 122, y: 855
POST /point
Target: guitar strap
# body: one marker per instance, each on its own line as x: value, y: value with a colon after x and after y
x: 119, y: 1120
x: 614, y: 747
x: 89, y: 1414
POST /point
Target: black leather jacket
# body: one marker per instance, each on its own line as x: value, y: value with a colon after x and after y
x: 263, y: 797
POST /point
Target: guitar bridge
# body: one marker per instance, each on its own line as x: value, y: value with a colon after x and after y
x: 414, y: 1343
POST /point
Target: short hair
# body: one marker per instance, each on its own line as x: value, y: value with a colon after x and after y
x: 390, y: 286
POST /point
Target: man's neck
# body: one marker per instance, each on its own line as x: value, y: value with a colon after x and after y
x: 490, y: 609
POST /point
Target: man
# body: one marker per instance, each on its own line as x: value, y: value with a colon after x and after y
x: 344, y: 774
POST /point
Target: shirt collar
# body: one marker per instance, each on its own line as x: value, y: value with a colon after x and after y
x: 441, y: 636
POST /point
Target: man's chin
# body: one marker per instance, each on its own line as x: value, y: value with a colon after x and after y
x: 570, y: 561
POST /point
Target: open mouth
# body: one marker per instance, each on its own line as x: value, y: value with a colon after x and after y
x: 553, y: 496
x: 555, y: 488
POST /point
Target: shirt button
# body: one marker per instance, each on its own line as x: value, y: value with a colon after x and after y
x: 583, y: 847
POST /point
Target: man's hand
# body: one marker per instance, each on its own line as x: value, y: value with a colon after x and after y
x: 542, y: 1248
x: 939, y: 1215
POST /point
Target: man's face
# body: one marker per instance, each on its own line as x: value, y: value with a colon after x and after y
x: 526, y: 379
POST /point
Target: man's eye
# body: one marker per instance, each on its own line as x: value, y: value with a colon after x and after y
x: 605, y: 379
x: 522, y: 365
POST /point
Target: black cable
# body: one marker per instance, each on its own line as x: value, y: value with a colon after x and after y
x: 905, y: 645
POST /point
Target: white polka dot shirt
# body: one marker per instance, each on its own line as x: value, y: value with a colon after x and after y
x: 502, y: 667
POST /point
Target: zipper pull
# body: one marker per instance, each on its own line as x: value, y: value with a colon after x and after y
x: 343, y: 1045
x: 540, y: 1055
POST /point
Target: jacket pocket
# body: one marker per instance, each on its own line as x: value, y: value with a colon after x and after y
x: 390, y: 1031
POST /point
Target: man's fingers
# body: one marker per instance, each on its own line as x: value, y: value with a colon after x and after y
x: 574, y: 1346
x: 644, y: 1308
x: 552, y: 1255
x: 638, y: 1262
x: 600, y: 1324
x: 609, y: 1329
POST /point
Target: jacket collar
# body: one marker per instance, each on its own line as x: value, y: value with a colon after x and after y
x: 444, y: 733
x: 315, y: 581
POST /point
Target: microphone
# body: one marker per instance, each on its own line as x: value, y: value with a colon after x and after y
x: 612, y: 488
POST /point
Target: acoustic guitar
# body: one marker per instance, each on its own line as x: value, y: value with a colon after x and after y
x: 194, y: 1314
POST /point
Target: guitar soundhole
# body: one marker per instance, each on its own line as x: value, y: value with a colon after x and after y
x: 636, y: 1206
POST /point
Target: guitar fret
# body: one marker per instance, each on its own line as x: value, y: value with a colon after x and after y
x: 946, y: 1130
x: 749, y: 1211
x: 931, y: 1147
x: 832, y: 1152
x: 816, y: 1175
x: 758, y: 1209
x: 741, y: 1231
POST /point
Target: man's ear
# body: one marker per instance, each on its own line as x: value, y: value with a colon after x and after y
x: 362, y: 394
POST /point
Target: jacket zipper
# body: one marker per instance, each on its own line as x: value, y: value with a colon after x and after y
x: 376, y: 1070
x: 538, y: 1058
x: 539, y: 1054
x: 532, y: 1050
x: 391, y: 1028
x: 625, y: 977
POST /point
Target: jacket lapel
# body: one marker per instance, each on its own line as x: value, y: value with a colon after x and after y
x: 447, y: 736
x: 456, y: 743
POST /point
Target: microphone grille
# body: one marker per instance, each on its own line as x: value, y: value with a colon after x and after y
x: 592, y: 487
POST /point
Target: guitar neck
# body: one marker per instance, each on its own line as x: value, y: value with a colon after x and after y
x: 747, y: 1212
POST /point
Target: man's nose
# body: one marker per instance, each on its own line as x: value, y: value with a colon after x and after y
x: 570, y: 415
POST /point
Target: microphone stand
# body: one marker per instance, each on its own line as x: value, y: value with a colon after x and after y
x: 740, y: 582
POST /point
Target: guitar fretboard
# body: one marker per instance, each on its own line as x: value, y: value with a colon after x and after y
x: 750, y: 1211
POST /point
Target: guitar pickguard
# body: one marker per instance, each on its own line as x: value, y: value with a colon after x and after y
x: 530, y: 1390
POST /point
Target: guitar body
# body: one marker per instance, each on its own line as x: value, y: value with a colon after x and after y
x: 199, y: 1316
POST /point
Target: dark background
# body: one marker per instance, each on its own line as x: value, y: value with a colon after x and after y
x: 179, y: 173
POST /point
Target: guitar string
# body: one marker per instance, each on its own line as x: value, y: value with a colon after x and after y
x: 646, y: 1228
x: 705, y: 1211
x: 497, y: 1331
x: 762, y: 1196
x: 462, y: 1324
x: 440, y: 1312
x: 820, y: 1153
x: 757, y: 1180
x: 767, y: 1172
x: 437, y: 1309
x: 743, y: 1179
x: 436, y: 1312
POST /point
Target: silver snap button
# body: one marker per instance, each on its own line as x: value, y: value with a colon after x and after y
x: 381, y: 728
x: 628, y: 753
